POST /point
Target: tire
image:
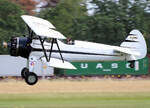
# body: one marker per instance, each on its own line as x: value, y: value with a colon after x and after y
x: 24, y: 72
x: 131, y: 65
x: 31, y: 78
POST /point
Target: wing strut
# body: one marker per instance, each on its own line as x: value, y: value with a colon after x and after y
x: 30, y: 32
x: 51, y: 49
x: 59, y: 50
x: 44, y: 50
x: 42, y: 41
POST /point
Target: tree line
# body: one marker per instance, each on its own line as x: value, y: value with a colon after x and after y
x: 109, y: 23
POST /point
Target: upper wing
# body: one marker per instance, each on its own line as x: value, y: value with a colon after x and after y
x: 42, y: 27
x: 35, y: 21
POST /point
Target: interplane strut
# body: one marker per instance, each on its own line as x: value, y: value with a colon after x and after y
x: 51, y: 49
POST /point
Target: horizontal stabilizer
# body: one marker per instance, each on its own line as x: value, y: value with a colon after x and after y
x: 58, y: 63
x: 126, y: 50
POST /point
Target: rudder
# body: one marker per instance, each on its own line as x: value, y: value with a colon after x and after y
x: 136, y: 42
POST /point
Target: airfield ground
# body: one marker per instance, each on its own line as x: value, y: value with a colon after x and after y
x: 91, y: 93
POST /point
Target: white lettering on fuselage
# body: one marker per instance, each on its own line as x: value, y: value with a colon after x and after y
x: 112, y: 66
x: 99, y: 65
x: 84, y: 65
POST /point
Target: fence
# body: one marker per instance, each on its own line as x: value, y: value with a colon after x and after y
x: 12, y: 66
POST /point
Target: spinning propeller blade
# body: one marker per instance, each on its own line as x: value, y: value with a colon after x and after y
x: 5, y: 44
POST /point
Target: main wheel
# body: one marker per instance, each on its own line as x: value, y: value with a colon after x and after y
x: 24, y: 72
x: 31, y: 78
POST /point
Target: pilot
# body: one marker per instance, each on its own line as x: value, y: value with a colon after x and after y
x: 70, y: 41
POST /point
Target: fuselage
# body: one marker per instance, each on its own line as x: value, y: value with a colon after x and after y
x: 78, y: 51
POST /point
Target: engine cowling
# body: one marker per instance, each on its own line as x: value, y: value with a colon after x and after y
x: 20, y: 46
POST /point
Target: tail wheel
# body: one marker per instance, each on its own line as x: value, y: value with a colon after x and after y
x: 24, y: 72
x: 131, y: 64
x: 31, y: 78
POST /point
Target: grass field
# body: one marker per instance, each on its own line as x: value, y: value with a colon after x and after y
x: 76, y: 94
x: 76, y: 100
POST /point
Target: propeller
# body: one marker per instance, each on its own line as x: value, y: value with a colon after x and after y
x: 5, y: 44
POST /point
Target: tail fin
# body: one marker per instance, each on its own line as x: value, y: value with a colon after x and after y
x: 136, y: 42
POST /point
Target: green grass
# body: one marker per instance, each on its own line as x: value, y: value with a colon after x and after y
x: 76, y: 100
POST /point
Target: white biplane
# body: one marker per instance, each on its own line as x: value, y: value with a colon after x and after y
x: 44, y: 43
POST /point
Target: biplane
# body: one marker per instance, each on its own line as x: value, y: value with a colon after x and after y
x: 44, y: 43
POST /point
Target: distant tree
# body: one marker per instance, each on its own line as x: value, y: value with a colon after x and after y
x: 10, y: 21
x: 113, y: 20
x: 49, y: 3
x: 28, y: 5
x: 103, y: 26
x: 118, y: 18
x: 64, y: 15
x: 110, y: 22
